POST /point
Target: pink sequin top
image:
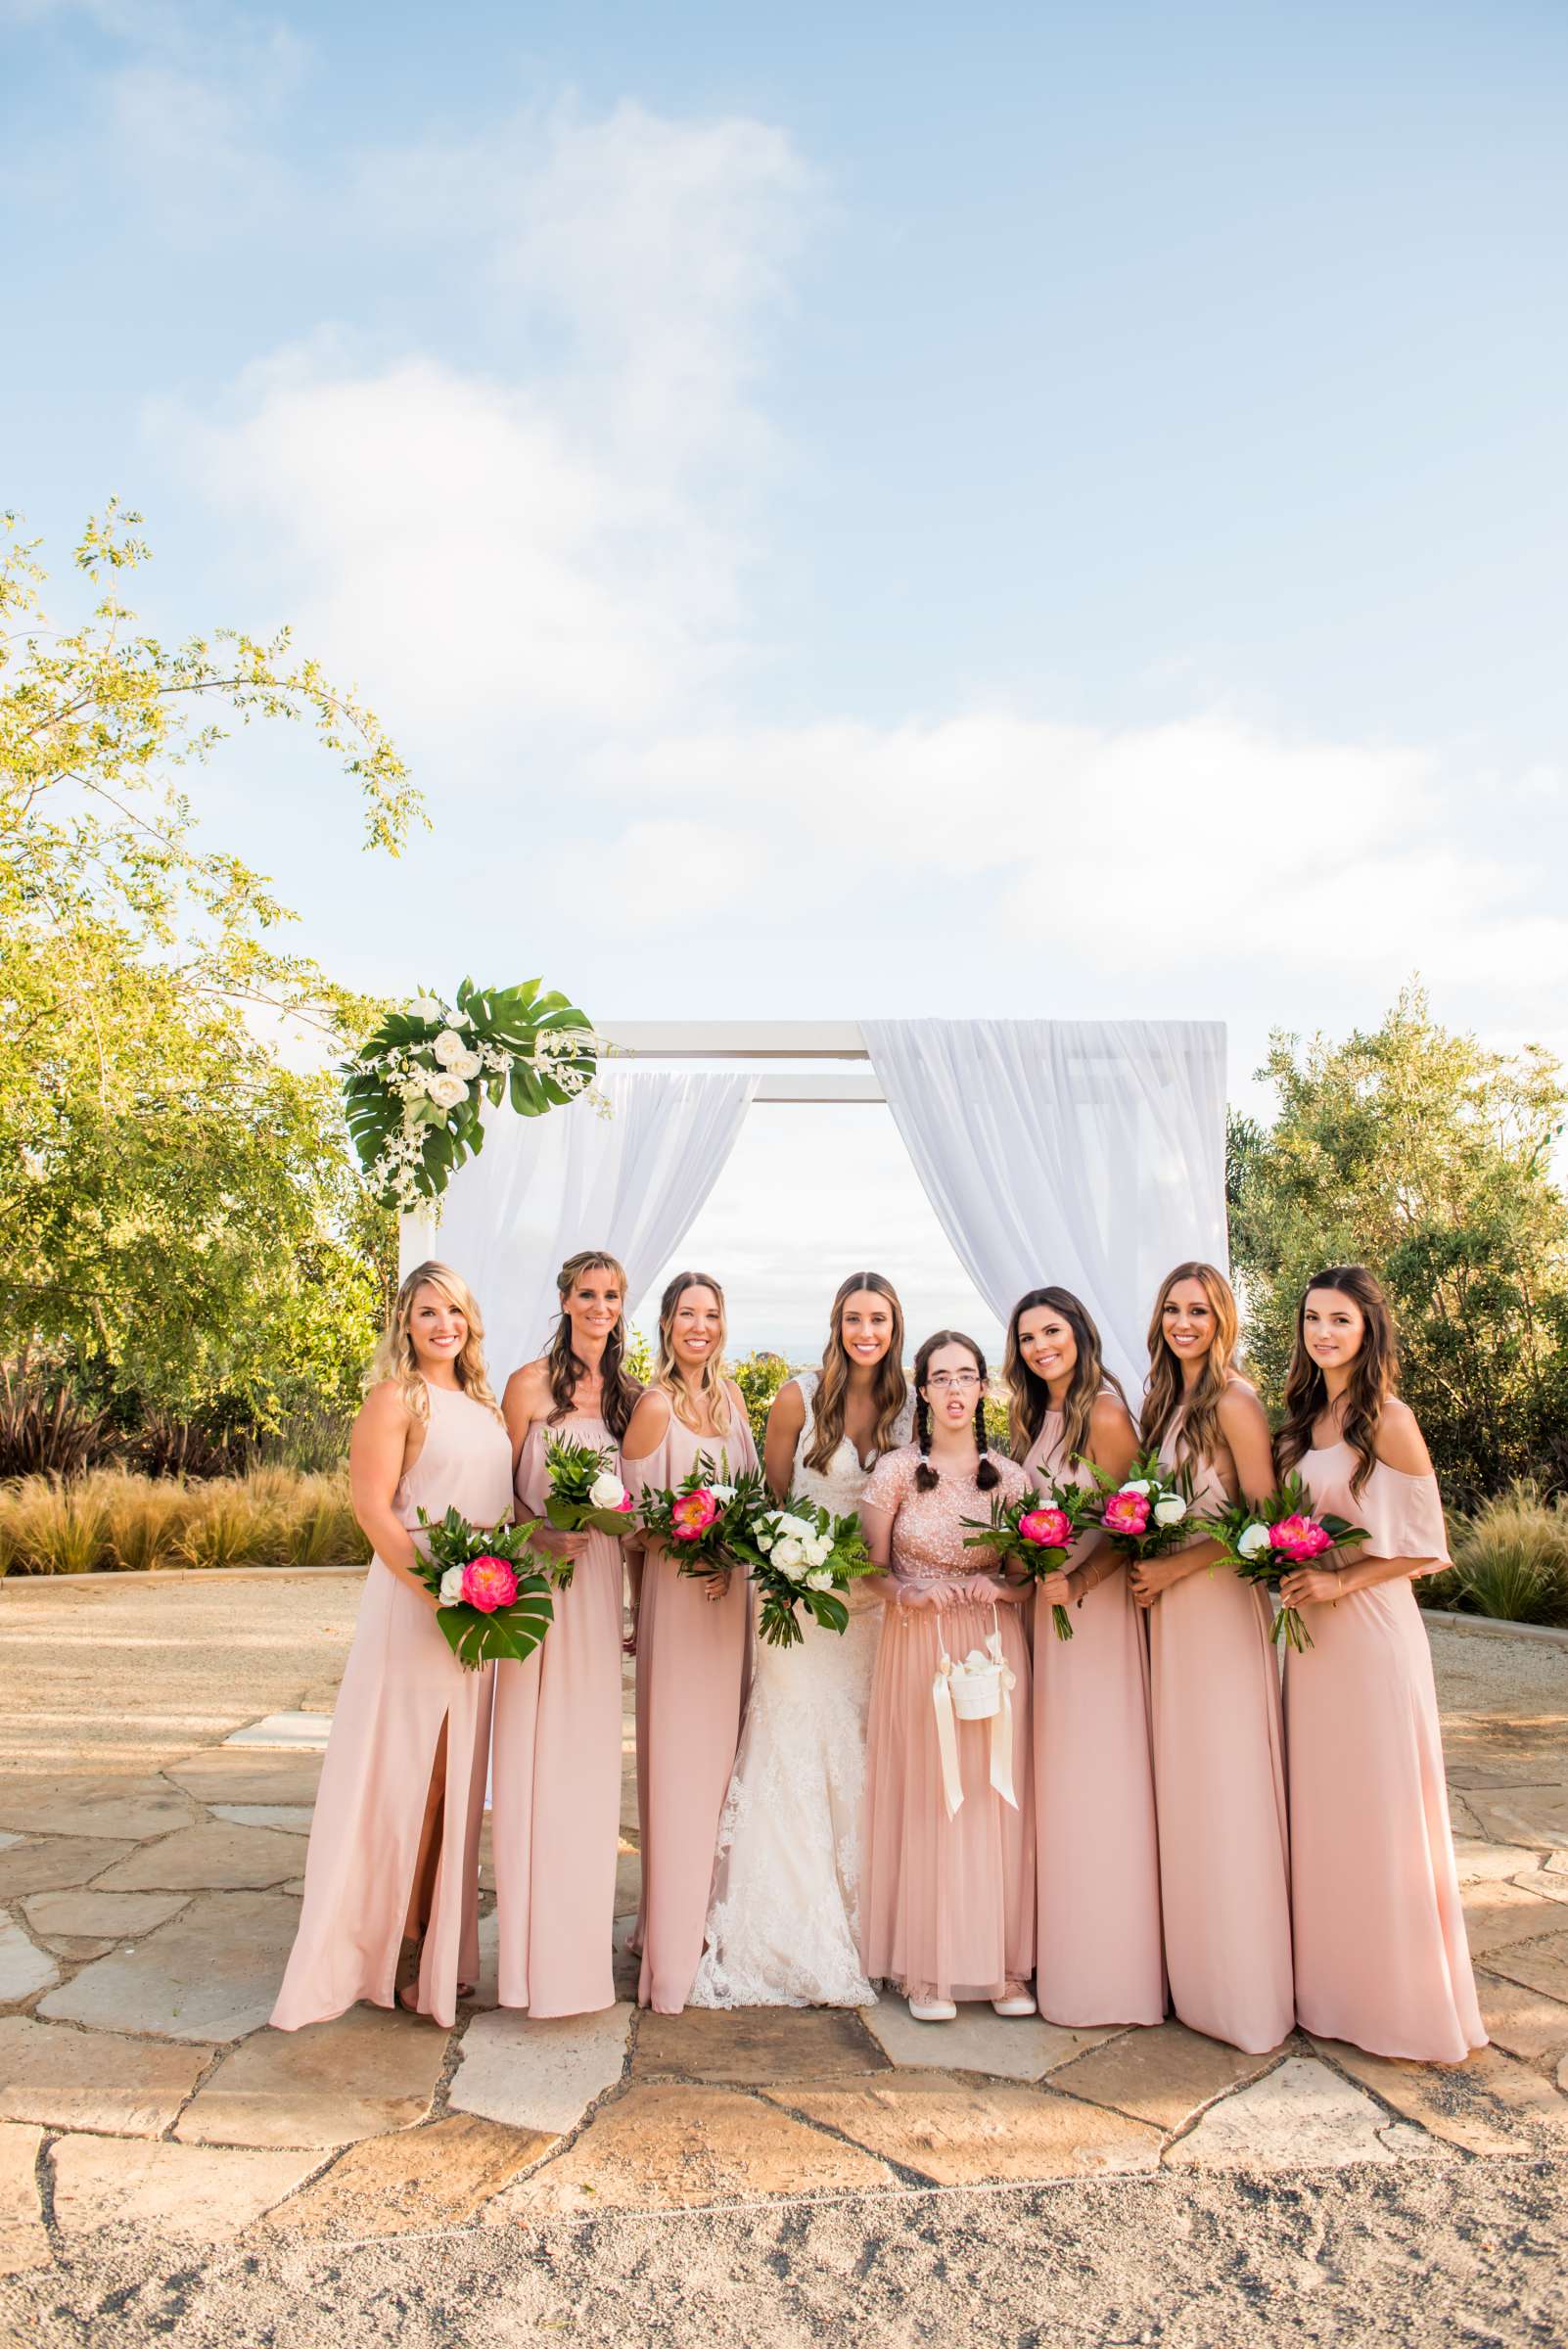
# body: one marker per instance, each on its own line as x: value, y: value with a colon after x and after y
x: 927, y: 1532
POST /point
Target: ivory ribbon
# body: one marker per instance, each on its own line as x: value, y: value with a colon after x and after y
x: 1001, y: 1723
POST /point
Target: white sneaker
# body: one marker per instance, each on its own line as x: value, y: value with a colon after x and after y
x: 933, y: 2011
x: 1021, y: 2004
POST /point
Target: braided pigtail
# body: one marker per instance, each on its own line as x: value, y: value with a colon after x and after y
x: 925, y: 1477
x: 987, y: 1475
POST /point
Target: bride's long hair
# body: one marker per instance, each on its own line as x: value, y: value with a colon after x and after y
x: 890, y: 1390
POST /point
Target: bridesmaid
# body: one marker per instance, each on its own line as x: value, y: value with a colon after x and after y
x: 1381, y: 1956
x: 1097, y: 1862
x: 947, y: 1901
x: 1219, y: 1746
x: 392, y: 1873
x: 556, y: 1778
x: 692, y: 1640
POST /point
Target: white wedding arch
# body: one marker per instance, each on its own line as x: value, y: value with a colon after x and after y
x: 1086, y: 1152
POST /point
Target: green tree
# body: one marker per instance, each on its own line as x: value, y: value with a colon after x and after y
x: 1429, y: 1158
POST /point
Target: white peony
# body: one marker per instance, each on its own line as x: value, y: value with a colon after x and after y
x: 450, y: 1047
x: 1139, y: 1483
x: 821, y: 1579
x: 445, y: 1090
x: 467, y: 1068
x: 1171, y: 1511
x: 1255, y: 1539
x: 607, y: 1491
x: 426, y: 1007
x: 451, y: 1590
x: 789, y: 1554
x: 816, y: 1552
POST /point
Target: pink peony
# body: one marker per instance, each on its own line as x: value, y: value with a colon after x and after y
x: 625, y: 1503
x: 1047, y: 1529
x: 1299, y: 1538
x: 692, y: 1515
x: 1126, y: 1513
x: 488, y: 1584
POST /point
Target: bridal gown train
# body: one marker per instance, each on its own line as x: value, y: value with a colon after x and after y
x: 784, y: 1921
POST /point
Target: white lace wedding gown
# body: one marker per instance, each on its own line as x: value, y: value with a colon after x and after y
x: 784, y: 1915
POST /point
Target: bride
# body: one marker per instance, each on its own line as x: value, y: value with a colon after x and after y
x: 784, y: 1916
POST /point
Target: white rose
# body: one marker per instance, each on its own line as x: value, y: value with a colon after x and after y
x: 451, y: 1590
x: 607, y: 1491
x: 1255, y: 1539
x: 1139, y: 1484
x: 820, y: 1581
x: 426, y: 1007
x: 789, y: 1553
x: 450, y: 1047
x: 816, y: 1552
x: 445, y: 1090
x: 467, y: 1068
x: 1171, y: 1511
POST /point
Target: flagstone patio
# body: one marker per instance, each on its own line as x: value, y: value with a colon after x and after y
x: 152, y: 1822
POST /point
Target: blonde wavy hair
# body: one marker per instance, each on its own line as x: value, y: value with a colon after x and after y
x: 1165, y: 1397
x: 396, y: 1359
x: 668, y: 1376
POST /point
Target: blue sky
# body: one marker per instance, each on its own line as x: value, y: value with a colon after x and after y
x: 1016, y: 509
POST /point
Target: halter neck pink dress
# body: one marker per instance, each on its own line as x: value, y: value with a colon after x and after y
x: 1382, y: 1956
x: 555, y: 1800
x: 1099, y: 1957
x: 947, y: 1905
x: 1219, y: 1793
x: 692, y: 1655
x: 400, y: 1686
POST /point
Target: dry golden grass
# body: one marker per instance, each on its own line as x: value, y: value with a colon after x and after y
x: 112, y: 1521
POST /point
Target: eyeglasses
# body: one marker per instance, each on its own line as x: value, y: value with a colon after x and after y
x: 953, y: 1378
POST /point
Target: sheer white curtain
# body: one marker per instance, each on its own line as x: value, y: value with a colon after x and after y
x: 541, y: 1187
x: 1086, y: 1153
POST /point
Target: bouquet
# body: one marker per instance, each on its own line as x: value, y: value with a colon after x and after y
x: 1147, y: 1513
x: 1037, y: 1533
x: 492, y: 1599
x: 801, y: 1554
x: 1266, y: 1542
x: 704, y: 1518
x: 585, y: 1495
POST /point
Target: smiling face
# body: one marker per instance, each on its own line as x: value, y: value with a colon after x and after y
x: 865, y: 1328
x: 593, y: 1305
x: 1048, y: 1345
x: 1186, y: 1320
x: 437, y: 1330
x: 696, y: 1329
x: 952, y: 1387
x: 1333, y: 1328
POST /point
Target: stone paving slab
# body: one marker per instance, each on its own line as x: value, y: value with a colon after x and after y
x: 1547, y: 1883
x: 324, y: 2085
x: 291, y: 1819
x: 753, y: 2045
x: 1499, y: 1914
x: 220, y: 1776
x: 96, y: 2080
x: 214, y: 1856
x: 419, y: 2180
x: 56, y: 1863
x: 190, y: 2192
x: 1475, y: 1859
x: 1300, y: 2116
x: 541, y: 2076
x: 24, y: 1968
x: 94, y: 1922
x: 23, y: 2243
x: 967, y: 2132
x: 1526, y: 2022
x: 212, y: 1974
x: 1160, y: 2075
x: 666, y: 2147
x: 1524, y: 1815
x: 128, y: 1810
x: 1539, y: 1965
x: 1007, y: 2048
x: 286, y: 1733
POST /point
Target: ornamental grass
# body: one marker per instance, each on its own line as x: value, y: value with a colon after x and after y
x: 114, y: 1522
x: 1510, y: 1559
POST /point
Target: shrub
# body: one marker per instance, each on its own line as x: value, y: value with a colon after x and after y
x: 116, y: 1522
x: 1511, y: 1559
x: 760, y: 1377
x: 45, y: 1429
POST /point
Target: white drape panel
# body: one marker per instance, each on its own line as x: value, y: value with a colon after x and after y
x: 542, y: 1188
x: 1086, y: 1153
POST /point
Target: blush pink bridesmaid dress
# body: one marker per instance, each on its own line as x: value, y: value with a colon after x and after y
x: 692, y: 1654
x: 555, y: 1780
x: 1382, y: 1956
x: 947, y: 1905
x: 401, y: 1685
x: 1099, y: 1957
x: 1220, y: 1796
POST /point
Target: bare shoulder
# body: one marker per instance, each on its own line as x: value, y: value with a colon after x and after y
x: 1240, y: 1406
x: 788, y: 1405
x: 385, y: 1407
x: 530, y: 1381
x: 1400, y: 1443
x: 1109, y: 1418
x: 648, y: 1425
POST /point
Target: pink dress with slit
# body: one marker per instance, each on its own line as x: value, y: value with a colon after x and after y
x: 554, y: 1801
x: 1099, y: 1957
x: 1382, y: 1956
x: 691, y: 1679
x: 947, y: 1905
x: 1220, y: 1794
x: 400, y: 1685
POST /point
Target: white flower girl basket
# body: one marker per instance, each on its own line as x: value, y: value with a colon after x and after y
x: 979, y: 1687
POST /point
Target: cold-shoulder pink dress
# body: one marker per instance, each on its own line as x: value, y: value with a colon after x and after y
x: 401, y: 1685
x: 555, y: 1799
x: 1220, y: 1795
x: 947, y: 1903
x: 1382, y: 1956
x: 1099, y: 1957
x: 691, y: 1677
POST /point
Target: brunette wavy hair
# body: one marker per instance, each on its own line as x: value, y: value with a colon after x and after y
x: 1166, y: 1398
x: 1373, y: 1377
x: 396, y: 1359
x: 1028, y: 1396
x: 928, y: 1478
x: 618, y: 1389
x: 890, y: 1390
x: 666, y: 1376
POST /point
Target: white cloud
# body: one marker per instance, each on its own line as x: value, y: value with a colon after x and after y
x: 659, y: 873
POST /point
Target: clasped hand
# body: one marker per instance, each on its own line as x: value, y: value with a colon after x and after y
x: 1310, y: 1585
